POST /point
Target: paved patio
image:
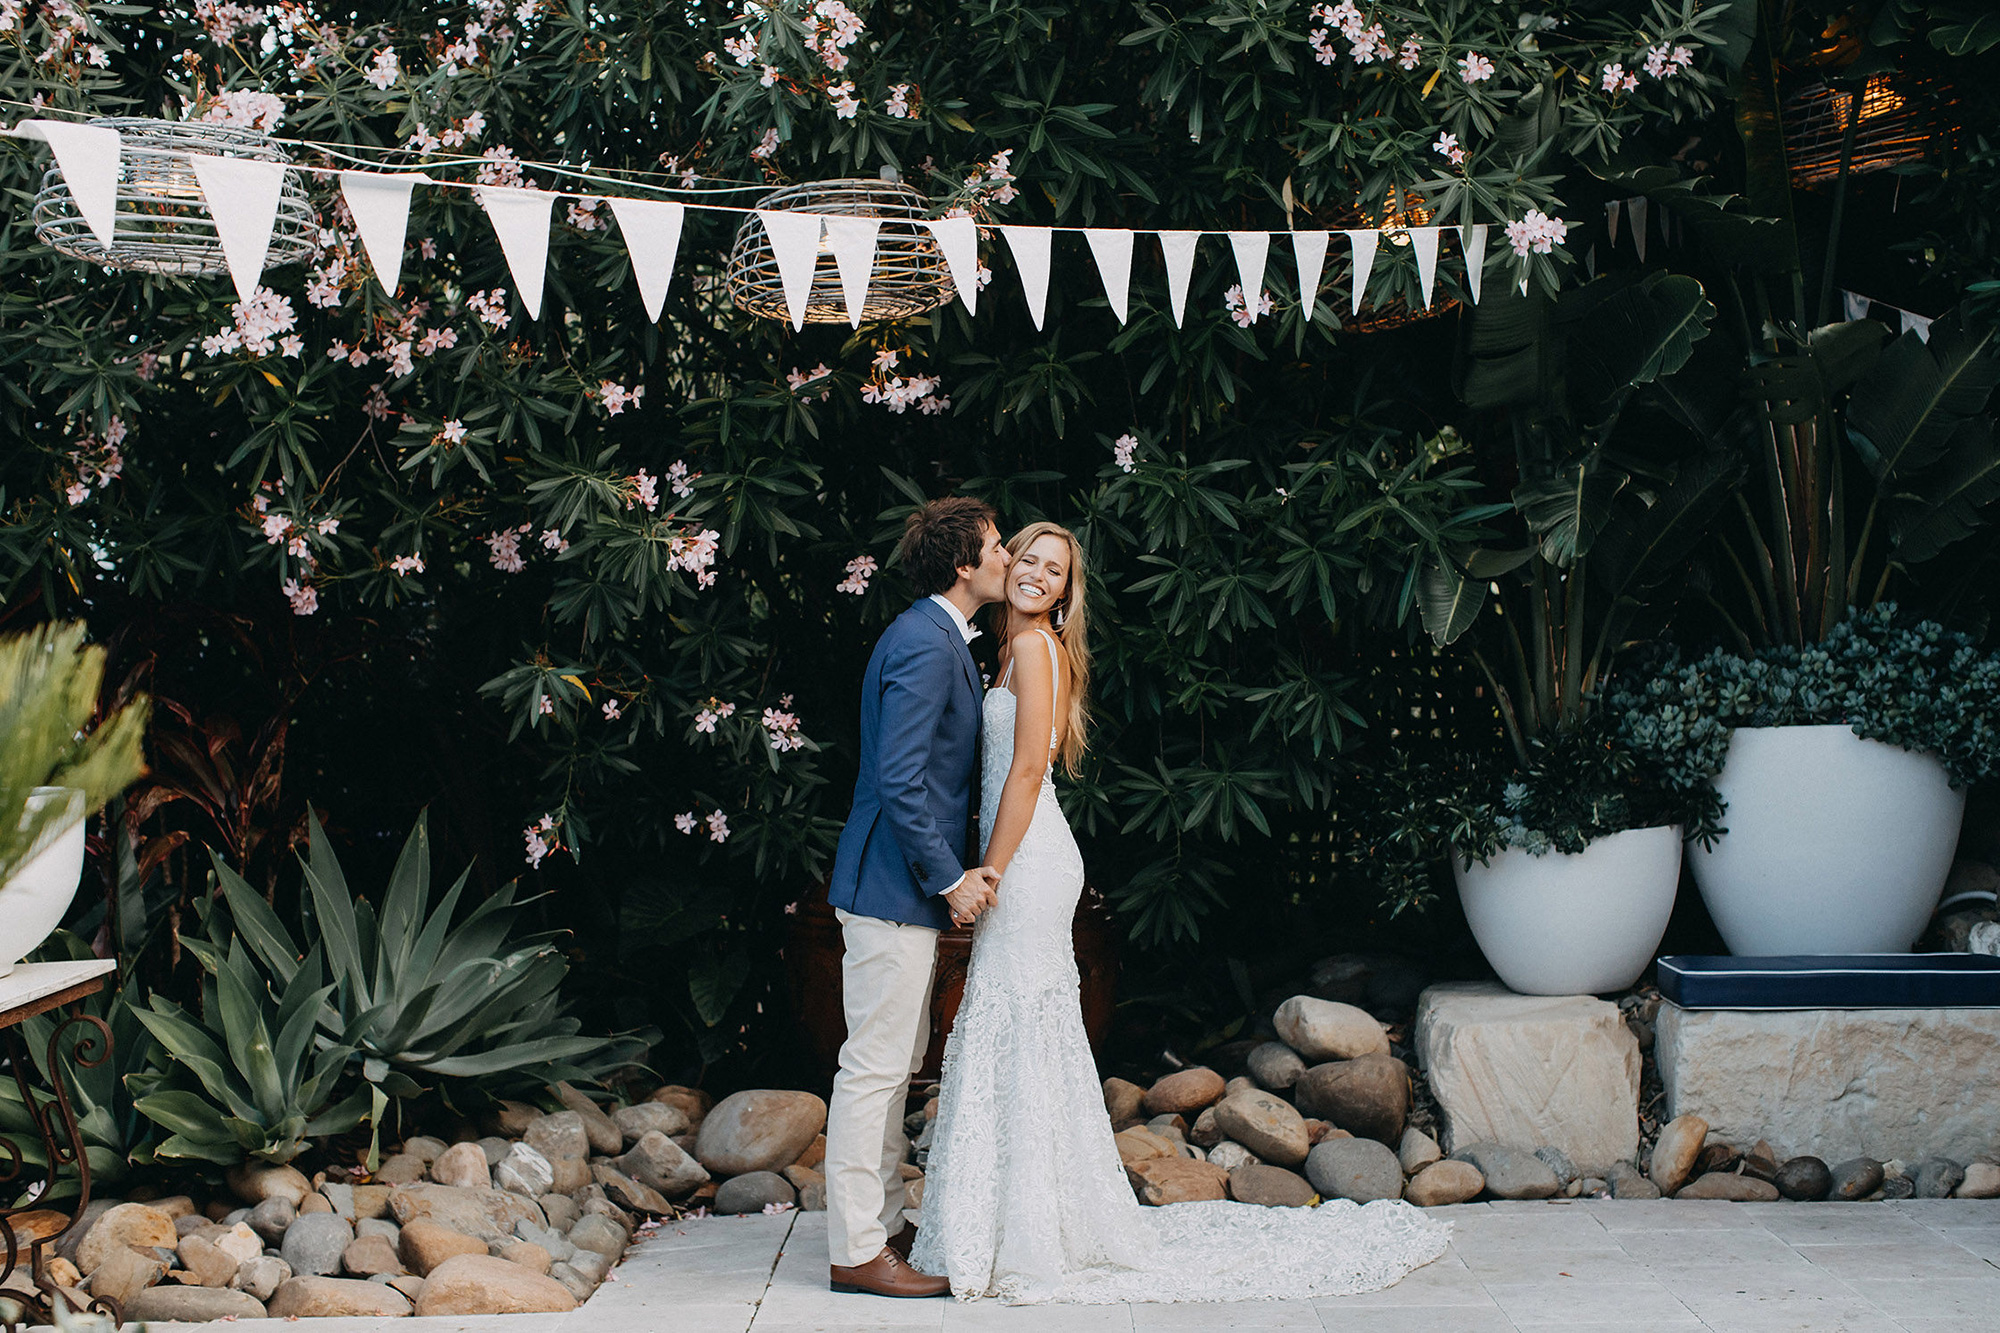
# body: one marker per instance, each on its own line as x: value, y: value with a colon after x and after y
x: 1929, y: 1266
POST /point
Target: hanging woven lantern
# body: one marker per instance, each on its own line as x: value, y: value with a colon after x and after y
x: 1897, y: 118
x: 909, y: 276
x: 164, y: 224
x: 1399, y: 212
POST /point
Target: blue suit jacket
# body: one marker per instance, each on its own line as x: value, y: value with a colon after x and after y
x: 913, y: 798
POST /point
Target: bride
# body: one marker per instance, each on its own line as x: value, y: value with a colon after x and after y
x: 1025, y: 1198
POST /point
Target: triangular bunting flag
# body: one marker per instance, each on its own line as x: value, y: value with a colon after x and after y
x: 1030, y: 247
x: 1590, y: 261
x: 1424, y: 240
x: 1252, y: 249
x: 88, y: 158
x: 1177, y: 248
x: 1636, y: 208
x: 795, y: 245
x: 852, y: 240
x: 1912, y: 320
x: 380, y: 203
x: 1611, y: 223
x: 1364, y: 242
x: 1472, y: 240
x: 1309, y: 249
x: 1112, y: 247
x: 242, y: 195
x: 520, y: 219
x: 652, y: 232
x: 958, y: 240
x: 1854, y: 305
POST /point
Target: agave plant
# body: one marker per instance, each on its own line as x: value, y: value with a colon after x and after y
x: 250, y: 1081
x: 416, y: 996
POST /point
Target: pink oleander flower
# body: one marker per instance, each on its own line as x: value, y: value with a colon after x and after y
x: 1536, y: 233
x: 407, y: 564
x: 612, y: 710
x: 1612, y: 76
x: 767, y: 145
x: 303, y: 597
x: 680, y: 480
x: 1232, y: 301
x: 385, y: 69
x: 1122, y: 450
x: 845, y: 103
x: 504, y: 550
x: 718, y: 826
x: 1474, y: 68
x: 1411, y: 53
x: 859, y: 570
x: 1445, y: 144
x: 685, y: 822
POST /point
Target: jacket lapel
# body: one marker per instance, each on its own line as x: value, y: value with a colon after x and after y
x: 944, y: 622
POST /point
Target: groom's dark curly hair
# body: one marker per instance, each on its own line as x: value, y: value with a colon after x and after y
x: 941, y: 537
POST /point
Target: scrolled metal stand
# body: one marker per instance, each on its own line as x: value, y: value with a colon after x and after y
x: 86, y: 1042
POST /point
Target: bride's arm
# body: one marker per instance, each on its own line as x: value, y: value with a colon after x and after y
x: 1034, y: 715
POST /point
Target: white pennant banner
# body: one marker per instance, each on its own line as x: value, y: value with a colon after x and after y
x: 1252, y: 249
x: 652, y: 232
x: 380, y: 203
x: 1112, y: 248
x: 1177, y: 248
x: 1309, y: 251
x: 520, y: 219
x: 242, y: 195
x: 1912, y: 320
x: 1854, y: 305
x: 1364, y: 242
x: 958, y: 241
x: 1636, y: 209
x: 1472, y: 239
x: 1030, y: 246
x: 88, y: 158
x: 1611, y: 222
x: 795, y: 245
x: 1424, y: 240
x: 852, y: 240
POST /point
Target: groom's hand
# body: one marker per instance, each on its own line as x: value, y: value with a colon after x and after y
x: 973, y: 894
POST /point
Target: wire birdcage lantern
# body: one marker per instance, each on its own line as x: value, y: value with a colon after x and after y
x: 164, y: 225
x: 909, y: 276
x: 1400, y: 211
x: 1897, y: 118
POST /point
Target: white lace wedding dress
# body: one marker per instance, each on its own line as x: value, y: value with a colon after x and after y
x: 1025, y: 1198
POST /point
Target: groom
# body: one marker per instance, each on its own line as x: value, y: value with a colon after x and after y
x: 898, y: 879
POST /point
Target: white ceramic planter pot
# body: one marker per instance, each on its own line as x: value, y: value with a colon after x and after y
x: 32, y: 903
x: 1574, y: 924
x: 1835, y: 844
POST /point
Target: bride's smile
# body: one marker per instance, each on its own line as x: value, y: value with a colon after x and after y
x: 1039, y: 576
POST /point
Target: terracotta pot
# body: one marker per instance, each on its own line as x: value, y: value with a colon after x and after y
x: 813, y: 954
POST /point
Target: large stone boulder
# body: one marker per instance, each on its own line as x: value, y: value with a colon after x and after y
x: 1184, y: 1092
x: 1676, y: 1151
x: 1274, y: 1065
x: 1730, y: 1186
x: 1368, y: 1097
x: 524, y: 1171
x: 314, y: 1244
x: 335, y: 1298
x: 1269, y: 1186
x: 254, y: 1182
x: 758, y: 1130
x: 1511, y: 1173
x: 463, y: 1165
x: 635, y: 1122
x: 125, y: 1272
x: 482, y: 1284
x: 1164, y: 1180
x: 191, y: 1305
x: 1838, y: 1083
x: 1443, y: 1183
x: 1266, y: 1125
x: 605, y: 1136
x: 1359, y: 1169
x: 1530, y: 1069
x: 1123, y: 1100
x: 426, y: 1244
x: 753, y: 1193
x: 657, y: 1161
x: 488, y: 1214
x: 133, y: 1226
x: 1321, y: 1030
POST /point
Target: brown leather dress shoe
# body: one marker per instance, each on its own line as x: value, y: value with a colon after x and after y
x: 887, y: 1275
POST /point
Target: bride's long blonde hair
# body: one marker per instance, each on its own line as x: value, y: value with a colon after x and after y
x: 1072, y: 629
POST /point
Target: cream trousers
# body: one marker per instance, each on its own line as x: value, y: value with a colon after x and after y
x: 886, y: 989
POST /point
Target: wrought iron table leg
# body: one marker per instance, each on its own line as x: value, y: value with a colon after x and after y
x: 62, y: 1146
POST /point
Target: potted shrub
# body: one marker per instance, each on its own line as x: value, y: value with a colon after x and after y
x: 1840, y: 771
x: 56, y: 768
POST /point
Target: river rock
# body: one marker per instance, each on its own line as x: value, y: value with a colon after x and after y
x: 489, y: 1215
x: 1164, y: 1180
x: 1511, y: 1173
x: 605, y: 1136
x: 316, y: 1203
x: 124, y: 1272
x: 1728, y: 1185
x: 209, y: 1266
x: 1444, y: 1182
x: 635, y: 1122
x: 1206, y: 1131
x: 1359, y: 1169
x: 1321, y: 1030
x: 425, y: 1244
x: 1123, y: 1101
x: 1230, y: 1155
x: 463, y: 1165
x: 629, y: 1193
x: 752, y: 1192
x: 1556, y: 1161
x: 237, y: 1241
x: 1270, y: 1187
x: 758, y: 1130
x: 272, y: 1218
x: 369, y: 1255
x: 601, y: 1235
x: 524, y: 1171
x: 1184, y: 1092
x: 1856, y: 1178
x: 255, y: 1182
x: 335, y: 1298
x: 1805, y: 1179
x: 573, y: 1282
x: 191, y: 1305
x: 261, y: 1277
x: 1368, y: 1096
x: 1139, y: 1144
x: 691, y: 1102
x: 1937, y: 1177
x: 1628, y: 1182
x: 1274, y: 1065
x: 313, y: 1244
x: 1676, y: 1151
x: 474, y: 1284
x: 127, y: 1226
x: 559, y: 1134
x: 656, y: 1161
x: 1982, y: 1181
x: 528, y: 1255
x: 1266, y: 1125
x: 1417, y: 1151
x: 402, y: 1169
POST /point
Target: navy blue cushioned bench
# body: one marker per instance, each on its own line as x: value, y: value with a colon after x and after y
x: 1833, y: 981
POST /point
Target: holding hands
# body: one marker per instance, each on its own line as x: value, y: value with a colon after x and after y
x: 972, y: 895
